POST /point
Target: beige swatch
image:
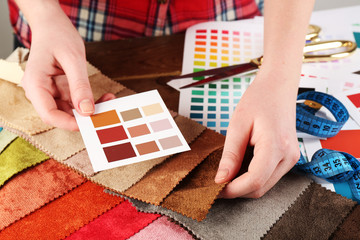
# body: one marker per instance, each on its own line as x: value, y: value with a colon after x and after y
x: 121, y: 178
x: 81, y: 163
x: 59, y: 144
x: 11, y: 71
x: 161, y: 180
x: 17, y: 112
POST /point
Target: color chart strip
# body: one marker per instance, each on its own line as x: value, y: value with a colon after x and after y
x: 130, y: 129
x: 212, y: 45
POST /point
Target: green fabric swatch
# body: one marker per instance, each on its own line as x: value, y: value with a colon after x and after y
x: 6, y: 138
x: 18, y: 156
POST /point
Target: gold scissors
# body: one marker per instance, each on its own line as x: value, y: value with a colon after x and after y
x: 312, y: 53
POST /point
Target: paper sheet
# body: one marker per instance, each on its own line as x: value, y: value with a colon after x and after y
x: 129, y: 130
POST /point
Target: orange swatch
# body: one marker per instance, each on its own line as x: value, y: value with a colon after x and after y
x: 105, y: 118
x: 63, y: 216
x: 344, y: 141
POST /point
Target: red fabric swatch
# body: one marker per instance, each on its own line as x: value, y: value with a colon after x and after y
x: 63, y: 216
x: 121, y: 222
x: 33, y: 188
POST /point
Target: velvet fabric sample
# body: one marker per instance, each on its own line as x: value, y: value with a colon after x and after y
x: 6, y: 138
x: 128, y: 175
x: 162, y: 179
x: 121, y: 222
x: 194, y: 195
x: 58, y: 143
x: 101, y: 84
x: 64, y: 215
x: 162, y: 228
x: 240, y: 218
x: 17, y: 112
x: 18, y: 156
x: 350, y: 228
x: 317, y: 212
x: 33, y: 188
x: 81, y: 162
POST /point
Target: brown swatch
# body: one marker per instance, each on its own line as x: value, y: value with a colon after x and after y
x: 194, y: 196
x: 119, y: 152
x: 34, y: 188
x: 159, y: 182
x: 146, y: 148
x: 101, y: 84
x: 126, y: 176
x: 350, y: 228
x: 317, y: 212
x: 131, y: 114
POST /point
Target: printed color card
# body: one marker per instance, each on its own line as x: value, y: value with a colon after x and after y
x: 129, y: 130
x: 218, y: 44
x: 351, y: 100
x: 212, y: 45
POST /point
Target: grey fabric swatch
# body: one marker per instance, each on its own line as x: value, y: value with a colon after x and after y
x: 240, y: 218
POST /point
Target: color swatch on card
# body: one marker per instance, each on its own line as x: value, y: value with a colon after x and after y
x: 129, y: 130
x: 213, y: 45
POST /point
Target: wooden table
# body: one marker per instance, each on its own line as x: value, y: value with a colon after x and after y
x: 141, y: 64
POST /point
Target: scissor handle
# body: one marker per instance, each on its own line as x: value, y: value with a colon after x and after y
x: 342, y: 49
x: 313, y: 33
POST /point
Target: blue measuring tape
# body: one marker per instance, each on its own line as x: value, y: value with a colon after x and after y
x: 331, y: 165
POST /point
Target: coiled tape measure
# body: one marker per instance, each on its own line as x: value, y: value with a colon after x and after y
x: 331, y: 165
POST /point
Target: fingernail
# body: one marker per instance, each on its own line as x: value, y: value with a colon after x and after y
x: 86, y: 106
x: 222, y: 174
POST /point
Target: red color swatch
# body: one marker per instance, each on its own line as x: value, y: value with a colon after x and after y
x: 111, y: 134
x: 121, y: 222
x: 345, y: 141
x: 119, y: 152
x: 355, y: 99
x: 63, y: 216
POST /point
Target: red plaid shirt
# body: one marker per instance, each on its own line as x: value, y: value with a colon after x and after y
x: 115, y: 19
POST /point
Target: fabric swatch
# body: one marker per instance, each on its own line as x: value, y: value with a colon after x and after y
x: 128, y: 175
x: 239, y: 218
x: 101, y: 84
x: 195, y: 194
x: 350, y: 228
x: 81, y: 163
x: 64, y: 215
x: 34, y: 188
x: 58, y: 143
x: 162, y: 179
x: 162, y: 228
x: 6, y: 138
x: 18, y: 156
x: 17, y: 112
x: 317, y: 210
x: 121, y: 222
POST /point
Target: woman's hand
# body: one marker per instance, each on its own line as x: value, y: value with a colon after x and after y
x: 265, y: 119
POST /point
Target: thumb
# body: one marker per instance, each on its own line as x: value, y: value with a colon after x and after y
x: 236, y: 142
x: 80, y: 89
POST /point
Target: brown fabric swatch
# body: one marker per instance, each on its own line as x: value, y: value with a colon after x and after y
x: 239, y: 218
x: 81, y: 163
x: 159, y: 182
x: 350, y: 228
x: 194, y: 196
x: 34, y: 188
x: 101, y: 84
x: 17, y: 112
x: 125, y: 92
x: 314, y: 215
x: 128, y: 175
